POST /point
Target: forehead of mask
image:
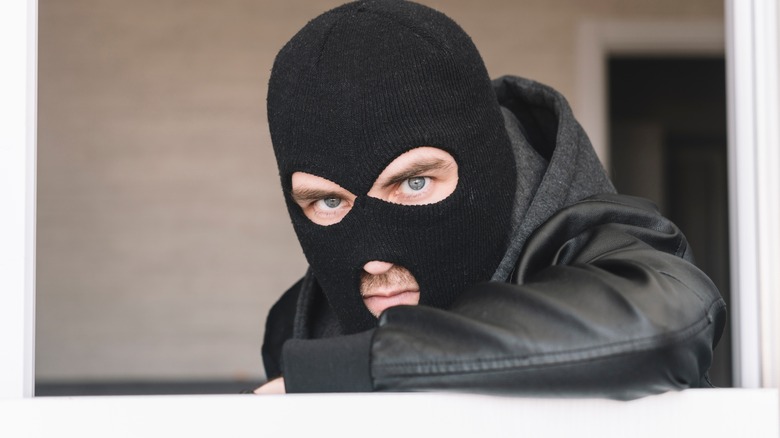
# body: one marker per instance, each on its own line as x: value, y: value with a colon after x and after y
x: 423, y: 175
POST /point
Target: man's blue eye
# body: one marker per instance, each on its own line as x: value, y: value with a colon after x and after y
x: 416, y: 183
x: 332, y: 202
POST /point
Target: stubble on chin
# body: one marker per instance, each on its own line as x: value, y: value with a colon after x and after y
x: 395, y: 287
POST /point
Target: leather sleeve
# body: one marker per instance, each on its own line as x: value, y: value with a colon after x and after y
x: 604, y: 302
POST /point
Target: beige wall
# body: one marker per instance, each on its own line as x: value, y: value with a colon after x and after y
x: 162, y: 235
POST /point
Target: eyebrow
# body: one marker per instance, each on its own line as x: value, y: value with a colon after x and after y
x: 415, y: 170
x: 309, y: 194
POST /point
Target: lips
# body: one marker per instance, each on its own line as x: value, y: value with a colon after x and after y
x: 378, y: 301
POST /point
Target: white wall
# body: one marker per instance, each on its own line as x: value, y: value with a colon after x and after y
x: 162, y: 235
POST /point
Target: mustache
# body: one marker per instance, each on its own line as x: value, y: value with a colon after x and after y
x: 396, y: 276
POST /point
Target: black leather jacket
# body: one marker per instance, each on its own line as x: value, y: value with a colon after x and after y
x: 602, y: 297
x: 603, y: 302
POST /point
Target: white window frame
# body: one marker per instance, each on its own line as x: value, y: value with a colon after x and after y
x: 754, y: 189
x: 738, y: 411
x: 18, y: 90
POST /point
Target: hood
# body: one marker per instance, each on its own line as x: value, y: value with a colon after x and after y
x: 556, y: 163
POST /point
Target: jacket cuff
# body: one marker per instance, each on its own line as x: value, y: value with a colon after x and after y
x: 339, y: 364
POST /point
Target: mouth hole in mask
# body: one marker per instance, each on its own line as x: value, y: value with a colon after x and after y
x: 420, y: 176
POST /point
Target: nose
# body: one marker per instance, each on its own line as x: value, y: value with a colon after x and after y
x: 375, y: 267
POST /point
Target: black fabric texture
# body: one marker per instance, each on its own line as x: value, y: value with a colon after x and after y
x: 342, y: 364
x: 354, y: 89
x: 278, y: 329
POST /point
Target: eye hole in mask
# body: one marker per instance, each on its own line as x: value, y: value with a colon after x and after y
x: 424, y: 175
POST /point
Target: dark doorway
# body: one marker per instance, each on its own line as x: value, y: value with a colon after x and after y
x: 668, y: 143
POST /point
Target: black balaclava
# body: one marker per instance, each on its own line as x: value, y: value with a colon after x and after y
x: 354, y: 89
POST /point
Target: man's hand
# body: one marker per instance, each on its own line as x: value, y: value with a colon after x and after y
x: 275, y: 386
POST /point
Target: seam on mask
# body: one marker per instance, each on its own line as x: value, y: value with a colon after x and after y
x: 326, y: 37
x: 419, y: 32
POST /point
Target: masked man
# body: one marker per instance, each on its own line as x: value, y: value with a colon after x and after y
x: 462, y: 234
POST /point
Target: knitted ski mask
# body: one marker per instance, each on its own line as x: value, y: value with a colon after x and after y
x: 354, y: 89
